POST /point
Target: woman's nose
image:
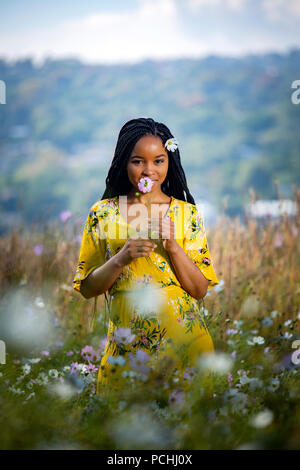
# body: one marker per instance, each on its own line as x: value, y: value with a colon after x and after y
x: 148, y: 170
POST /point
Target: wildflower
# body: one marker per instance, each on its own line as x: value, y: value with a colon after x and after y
x: 137, y: 361
x: 189, y: 372
x: 219, y: 287
x: 278, y: 240
x: 53, y: 373
x: 38, y: 249
x: 287, y: 335
x: 39, y: 302
x: 229, y: 378
x: 41, y: 379
x: 177, y: 398
x: 123, y: 335
x: 179, y: 319
x: 238, y: 323
x: 92, y: 368
x: 231, y: 331
x: 262, y: 419
x: 34, y: 360
x: 65, y: 215
x: 26, y: 369
x: 145, y: 184
x: 88, y: 353
x: 30, y: 384
x: 75, y: 368
x: 218, y: 362
x: 287, y: 322
x: 268, y: 322
x: 256, y: 340
x: 69, y: 353
x: 116, y: 360
x: 274, y: 314
x: 273, y: 384
x: 204, y: 311
x: 17, y: 391
x: 171, y: 144
x: 233, y: 354
x: 45, y: 353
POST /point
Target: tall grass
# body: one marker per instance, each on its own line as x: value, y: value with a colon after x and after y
x: 255, y: 403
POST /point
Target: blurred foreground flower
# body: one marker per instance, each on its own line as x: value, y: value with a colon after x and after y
x: 145, y: 299
x: 38, y: 249
x: 138, y: 428
x: 262, y: 419
x: 123, y: 335
x: 218, y: 362
x: 137, y: 361
x: 25, y: 325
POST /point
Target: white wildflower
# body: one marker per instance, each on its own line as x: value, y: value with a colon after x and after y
x: 39, y: 302
x: 287, y: 335
x: 42, y: 379
x: 53, y: 373
x: 262, y: 419
x: 268, y: 322
x: 26, y: 368
x: 256, y: 340
x: 274, y: 314
x: 273, y: 384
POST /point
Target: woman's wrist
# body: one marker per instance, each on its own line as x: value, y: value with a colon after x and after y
x: 172, y: 247
x: 119, y: 263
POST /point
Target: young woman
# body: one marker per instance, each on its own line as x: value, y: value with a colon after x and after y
x: 154, y: 278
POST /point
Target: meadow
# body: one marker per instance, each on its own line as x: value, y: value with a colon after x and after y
x: 55, y: 339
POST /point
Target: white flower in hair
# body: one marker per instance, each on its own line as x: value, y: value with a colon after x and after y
x: 171, y: 144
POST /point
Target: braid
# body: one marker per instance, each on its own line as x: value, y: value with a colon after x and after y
x: 117, y: 181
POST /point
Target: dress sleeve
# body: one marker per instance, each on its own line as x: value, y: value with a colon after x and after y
x: 92, y: 250
x: 195, y: 244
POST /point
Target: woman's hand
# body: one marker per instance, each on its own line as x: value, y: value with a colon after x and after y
x: 135, y: 248
x: 166, y: 231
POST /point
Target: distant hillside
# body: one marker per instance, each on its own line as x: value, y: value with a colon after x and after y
x: 234, y: 119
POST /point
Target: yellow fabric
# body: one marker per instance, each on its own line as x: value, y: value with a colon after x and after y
x: 147, y: 297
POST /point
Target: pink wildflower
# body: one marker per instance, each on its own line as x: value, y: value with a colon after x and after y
x: 38, y: 249
x: 145, y: 185
x: 65, y: 215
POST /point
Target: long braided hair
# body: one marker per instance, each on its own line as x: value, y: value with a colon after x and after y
x: 117, y: 181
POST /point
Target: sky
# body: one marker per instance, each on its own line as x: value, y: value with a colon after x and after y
x: 129, y: 31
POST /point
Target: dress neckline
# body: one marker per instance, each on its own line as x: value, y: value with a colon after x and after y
x: 116, y: 201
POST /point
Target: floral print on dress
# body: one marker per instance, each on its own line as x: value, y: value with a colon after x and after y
x: 181, y: 326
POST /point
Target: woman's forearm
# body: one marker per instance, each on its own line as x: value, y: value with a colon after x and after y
x: 102, y: 278
x: 188, y: 274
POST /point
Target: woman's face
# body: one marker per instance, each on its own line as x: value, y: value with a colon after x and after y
x: 149, y: 158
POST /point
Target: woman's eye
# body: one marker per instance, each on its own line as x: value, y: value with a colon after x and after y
x: 159, y: 161
x: 136, y: 162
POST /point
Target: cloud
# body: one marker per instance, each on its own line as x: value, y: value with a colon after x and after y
x: 235, y: 5
x: 151, y: 31
x: 278, y: 9
x: 157, y: 29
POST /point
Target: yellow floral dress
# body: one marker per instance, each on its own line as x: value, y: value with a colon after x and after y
x: 150, y: 315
